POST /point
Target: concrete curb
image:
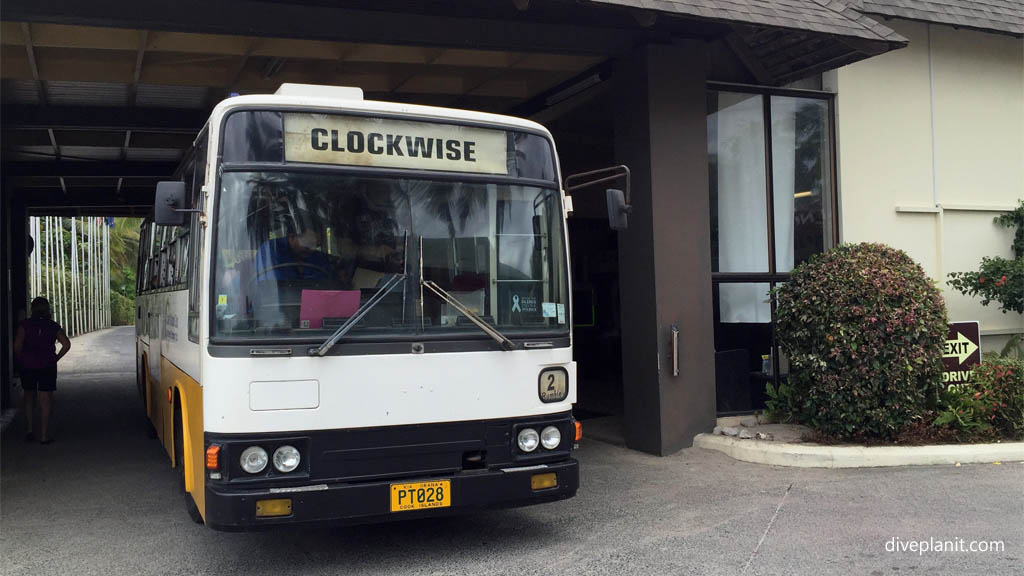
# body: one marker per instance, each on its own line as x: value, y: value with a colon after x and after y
x: 820, y: 456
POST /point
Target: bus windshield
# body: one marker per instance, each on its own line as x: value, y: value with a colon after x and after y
x: 298, y: 252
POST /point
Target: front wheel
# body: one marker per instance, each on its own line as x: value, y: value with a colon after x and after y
x: 179, y: 462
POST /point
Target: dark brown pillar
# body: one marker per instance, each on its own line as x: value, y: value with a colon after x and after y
x: 665, y: 254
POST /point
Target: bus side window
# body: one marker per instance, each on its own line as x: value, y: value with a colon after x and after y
x: 164, y: 264
x: 154, y: 259
x: 195, y: 237
x: 142, y: 280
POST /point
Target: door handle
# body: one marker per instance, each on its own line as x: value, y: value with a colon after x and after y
x: 674, y: 352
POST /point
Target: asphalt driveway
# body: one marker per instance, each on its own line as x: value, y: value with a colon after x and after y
x: 102, y: 500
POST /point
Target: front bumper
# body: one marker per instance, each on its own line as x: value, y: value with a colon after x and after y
x: 365, y: 502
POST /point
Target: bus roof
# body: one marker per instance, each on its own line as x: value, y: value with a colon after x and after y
x: 354, y: 104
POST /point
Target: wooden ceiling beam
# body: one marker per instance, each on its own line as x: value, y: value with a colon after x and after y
x: 163, y: 120
x: 331, y: 23
x: 91, y: 169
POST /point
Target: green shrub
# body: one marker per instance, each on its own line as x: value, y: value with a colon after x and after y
x: 991, y: 406
x: 122, y: 309
x: 782, y: 405
x: 999, y: 279
x: 864, y: 328
x: 962, y: 412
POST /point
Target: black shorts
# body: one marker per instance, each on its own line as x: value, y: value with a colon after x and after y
x: 45, y: 379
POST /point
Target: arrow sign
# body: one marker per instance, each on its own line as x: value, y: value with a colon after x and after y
x: 962, y: 353
x: 962, y: 348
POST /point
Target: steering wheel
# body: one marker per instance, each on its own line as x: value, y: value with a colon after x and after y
x: 273, y: 267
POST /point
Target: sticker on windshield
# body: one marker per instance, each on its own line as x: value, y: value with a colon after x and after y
x: 561, y: 313
x: 548, y: 309
x: 524, y: 304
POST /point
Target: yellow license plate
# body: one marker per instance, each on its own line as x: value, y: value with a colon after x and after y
x: 420, y: 495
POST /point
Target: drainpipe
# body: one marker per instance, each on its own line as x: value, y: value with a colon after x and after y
x: 939, y: 216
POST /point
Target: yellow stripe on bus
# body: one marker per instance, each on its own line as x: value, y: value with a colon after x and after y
x: 191, y: 394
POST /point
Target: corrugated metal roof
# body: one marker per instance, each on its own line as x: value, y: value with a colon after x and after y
x: 149, y: 95
x: 822, y: 16
x: 154, y: 154
x: 90, y: 152
x: 30, y: 153
x: 990, y: 15
x: 20, y: 92
x: 62, y: 93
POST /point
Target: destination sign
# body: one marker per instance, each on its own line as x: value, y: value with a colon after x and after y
x: 387, y: 143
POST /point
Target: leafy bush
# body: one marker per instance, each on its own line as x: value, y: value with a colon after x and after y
x: 999, y: 279
x: 864, y: 328
x: 991, y: 405
x: 781, y: 405
x: 962, y: 411
x: 122, y: 309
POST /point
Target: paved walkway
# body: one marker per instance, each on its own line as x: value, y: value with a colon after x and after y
x: 101, y: 500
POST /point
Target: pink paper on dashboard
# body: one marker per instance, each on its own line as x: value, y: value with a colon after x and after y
x: 319, y: 304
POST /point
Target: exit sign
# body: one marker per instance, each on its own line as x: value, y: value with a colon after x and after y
x: 962, y: 352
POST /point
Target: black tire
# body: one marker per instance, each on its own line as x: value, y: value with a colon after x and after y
x: 179, y: 462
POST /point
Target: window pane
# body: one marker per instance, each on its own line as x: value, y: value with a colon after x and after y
x: 743, y: 345
x: 737, y: 183
x: 801, y: 180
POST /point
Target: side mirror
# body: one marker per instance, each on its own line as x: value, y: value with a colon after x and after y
x: 618, y: 200
x: 169, y: 204
x: 618, y: 210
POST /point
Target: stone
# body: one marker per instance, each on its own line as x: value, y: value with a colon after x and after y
x: 730, y: 431
x: 764, y: 436
x: 749, y: 422
x: 746, y: 434
x: 717, y: 431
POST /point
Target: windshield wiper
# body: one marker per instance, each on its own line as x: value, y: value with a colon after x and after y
x: 384, y: 290
x: 491, y: 331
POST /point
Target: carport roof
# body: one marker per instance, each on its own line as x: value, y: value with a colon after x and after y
x: 100, y: 99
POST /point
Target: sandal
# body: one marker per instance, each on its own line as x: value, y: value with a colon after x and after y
x: 47, y: 440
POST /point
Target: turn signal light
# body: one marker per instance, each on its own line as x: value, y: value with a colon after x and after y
x: 213, y: 457
x: 543, y: 481
x: 579, y: 430
x: 275, y: 507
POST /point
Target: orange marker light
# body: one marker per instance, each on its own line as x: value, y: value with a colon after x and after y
x: 213, y: 457
x: 579, y: 430
x: 170, y: 396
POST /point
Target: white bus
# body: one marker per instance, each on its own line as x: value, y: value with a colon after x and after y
x: 351, y: 311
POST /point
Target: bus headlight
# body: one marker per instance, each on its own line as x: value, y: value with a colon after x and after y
x: 253, y: 460
x: 528, y: 439
x: 286, y: 458
x: 550, y: 437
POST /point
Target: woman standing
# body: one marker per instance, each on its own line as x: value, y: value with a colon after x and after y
x: 34, y: 345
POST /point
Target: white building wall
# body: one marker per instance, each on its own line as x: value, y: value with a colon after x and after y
x: 931, y: 148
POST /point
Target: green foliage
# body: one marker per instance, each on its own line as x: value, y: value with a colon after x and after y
x: 124, y: 249
x: 959, y: 410
x: 999, y: 279
x: 991, y: 406
x: 864, y: 328
x: 122, y: 309
x: 782, y: 404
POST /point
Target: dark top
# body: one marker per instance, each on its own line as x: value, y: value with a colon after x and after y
x: 39, y: 348
x: 277, y: 252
